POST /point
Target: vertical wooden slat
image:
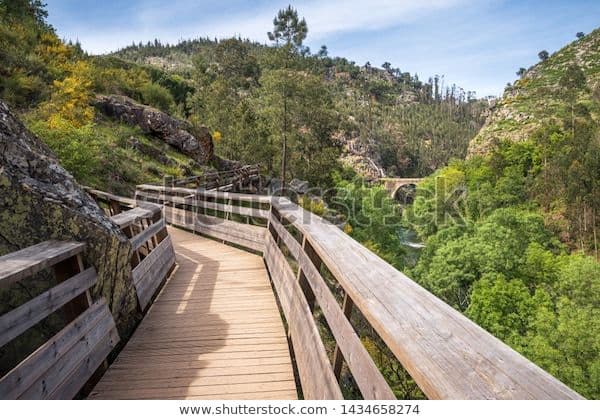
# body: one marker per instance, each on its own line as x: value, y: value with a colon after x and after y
x: 63, y: 271
x: 302, y: 280
x: 114, y: 206
x: 338, y: 357
x: 81, y: 267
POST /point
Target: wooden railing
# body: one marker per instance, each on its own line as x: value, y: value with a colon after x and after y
x: 153, y: 255
x: 232, y: 180
x: 62, y: 365
x: 112, y: 204
x: 447, y: 355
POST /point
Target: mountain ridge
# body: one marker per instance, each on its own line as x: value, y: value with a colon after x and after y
x: 538, y: 96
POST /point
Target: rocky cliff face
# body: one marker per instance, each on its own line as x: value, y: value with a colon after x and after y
x: 39, y: 200
x: 197, y: 143
x: 540, y: 96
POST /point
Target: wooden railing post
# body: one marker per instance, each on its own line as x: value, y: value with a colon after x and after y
x: 273, y: 214
x: 65, y: 270
x: 229, y: 214
x: 302, y: 280
x: 130, y: 233
x: 161, y: 234
x: 338, y: 358
x: 115, y: 207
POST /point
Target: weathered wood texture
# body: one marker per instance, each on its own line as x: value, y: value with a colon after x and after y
x: 22, y: 264
x: 366, y: 374
x: 114, y: 204
x: 213, y: 332
x: 311, y: 356
x: 130, y: 217
x: 152, y: 270
x: 222, y: 181
x: 248, y: 236
x: 151, y: 267
x: 104, y: 196
x: 447, y: 355
x: 20, y: 319
x: 183, y: 192
x: 147, y: 235
x: 61, y: 366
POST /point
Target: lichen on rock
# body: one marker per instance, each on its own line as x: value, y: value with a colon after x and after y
x: 40, y: 200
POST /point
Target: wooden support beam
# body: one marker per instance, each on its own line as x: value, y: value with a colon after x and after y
x: 302, y: 280
x: 338, y: 357
x: 63, y: 271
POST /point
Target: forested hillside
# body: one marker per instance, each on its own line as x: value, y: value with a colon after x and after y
x: 378, y: 120
x: 52, y: 85
x: 512, y: 232
x: 380, y: 117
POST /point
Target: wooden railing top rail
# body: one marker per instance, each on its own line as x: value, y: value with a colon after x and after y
x: 220, y: 180
x: 134, y: 215
x: 447, y: 355
x: 26, y: 262
x: 250, y: 169
x: 61, y: 366
x: 102, y: 195
x: 191, y: 192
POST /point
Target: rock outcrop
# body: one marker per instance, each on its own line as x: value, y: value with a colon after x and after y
x: 360, y: 157
x: 540, y: 98
x: 196, y: 143
x: 39, y: 200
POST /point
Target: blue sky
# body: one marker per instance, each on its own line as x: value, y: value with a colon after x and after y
x: 477, y: 44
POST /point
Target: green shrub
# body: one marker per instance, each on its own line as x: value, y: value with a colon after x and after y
x: 158, y: 97
x: 77, y: 148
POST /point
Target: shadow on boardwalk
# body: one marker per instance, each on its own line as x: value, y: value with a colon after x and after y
x: 213, y: 332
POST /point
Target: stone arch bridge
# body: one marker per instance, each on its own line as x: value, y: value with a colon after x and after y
x: 393, y: 185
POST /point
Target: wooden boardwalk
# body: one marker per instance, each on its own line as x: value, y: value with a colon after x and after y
x: 214, y: 332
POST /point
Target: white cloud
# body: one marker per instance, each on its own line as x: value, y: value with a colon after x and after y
x: 325, y: 18
x: 182, y: 19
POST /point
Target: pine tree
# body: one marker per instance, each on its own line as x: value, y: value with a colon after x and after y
x: 288, y: 34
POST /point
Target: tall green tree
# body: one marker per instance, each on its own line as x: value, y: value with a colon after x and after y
x: 309, y: 121
x: 289, y: 31
x: 223, y: 101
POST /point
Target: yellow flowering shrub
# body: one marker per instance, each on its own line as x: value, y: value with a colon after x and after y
x: 71, y: 96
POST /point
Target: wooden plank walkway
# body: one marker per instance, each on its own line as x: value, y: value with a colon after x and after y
x: 214, y: 332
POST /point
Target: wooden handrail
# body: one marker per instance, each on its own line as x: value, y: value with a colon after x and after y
x: 61, y: 366
x: 19, y: 320
x: 29, y: 261
x: 115, y: 204
x: 223, y: 180
x: 152, y: 252
x: 447, y: 355
x: 190, y: 192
